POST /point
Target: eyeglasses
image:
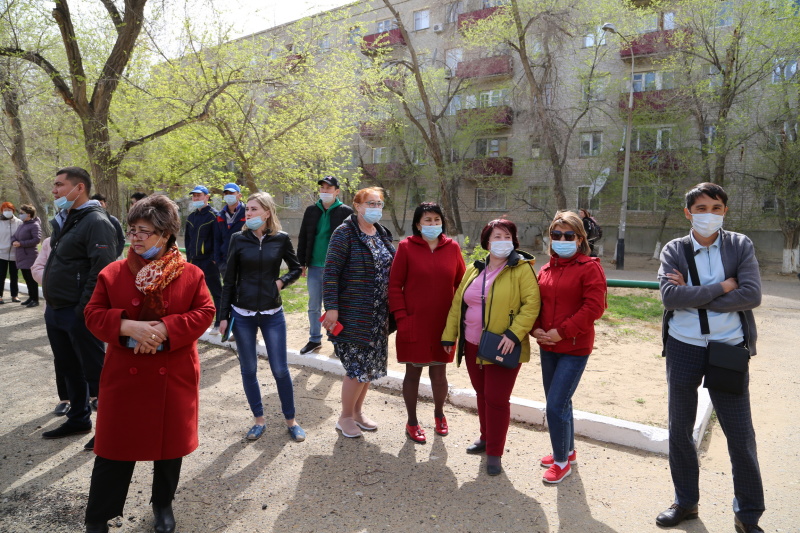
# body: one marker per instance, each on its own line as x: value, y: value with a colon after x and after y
x: 140, y: 235
x: 375, y: 204
x: 567, y: 235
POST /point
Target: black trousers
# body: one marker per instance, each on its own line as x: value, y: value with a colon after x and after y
x: 9, y: 267
x: 213, y: 282
x: 33, y: 287
x: 79, y: 359
x: 111, y: 480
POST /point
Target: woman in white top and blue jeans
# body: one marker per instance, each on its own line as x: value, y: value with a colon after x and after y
x: 251, y: 298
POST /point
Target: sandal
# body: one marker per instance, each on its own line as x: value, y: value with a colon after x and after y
x: 256, y: 432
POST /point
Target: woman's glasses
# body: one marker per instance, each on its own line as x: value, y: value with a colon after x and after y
x: 375, y: 204
x: 567, y: 235
x: 140, y: 235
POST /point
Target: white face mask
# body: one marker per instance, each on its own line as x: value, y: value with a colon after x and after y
x: 230, y: 199
x: 8, y: 214
x: 23, y: 216
x: 501, y: 249
x: 707, y: 224
x: 326, y: 197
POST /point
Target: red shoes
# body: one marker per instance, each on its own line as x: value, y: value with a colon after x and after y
x: 555, y: 474
x: 441, y: 426
x: 547, y: 460
x: 416, y: 433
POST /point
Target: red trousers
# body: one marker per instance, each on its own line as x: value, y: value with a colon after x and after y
x: 493, y: 385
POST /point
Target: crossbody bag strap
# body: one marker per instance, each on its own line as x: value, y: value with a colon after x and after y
x: 688, y: 250
x: 483, y: 299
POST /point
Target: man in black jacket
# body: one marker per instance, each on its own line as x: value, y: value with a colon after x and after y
x: 318, y: 224
x: 199, y: 237
x: 114, y: 222
x: 85, y: 244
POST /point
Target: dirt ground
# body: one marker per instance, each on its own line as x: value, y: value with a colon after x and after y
x: 384, y: 482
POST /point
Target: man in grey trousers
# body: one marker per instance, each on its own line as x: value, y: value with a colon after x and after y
x: 729, y: 290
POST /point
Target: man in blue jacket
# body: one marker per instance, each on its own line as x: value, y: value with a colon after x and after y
x: 229, y: 221
x: 200, y: 242
x: 722, y: 304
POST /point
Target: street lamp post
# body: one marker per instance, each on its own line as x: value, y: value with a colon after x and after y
x: 623, y: 210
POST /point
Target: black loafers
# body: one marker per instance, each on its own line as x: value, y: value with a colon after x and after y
x: 165, y: 520
x: 66, y: 430
x: 310, y: 347
x: 61, y: 409
x: 475, y: 449
x: 741, y: 527
x: 675, y: 515
x: 89, y: 446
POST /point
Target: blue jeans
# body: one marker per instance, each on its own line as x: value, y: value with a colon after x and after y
x: 273, y: 329
x: 561, y: 374
x: 314, y: 283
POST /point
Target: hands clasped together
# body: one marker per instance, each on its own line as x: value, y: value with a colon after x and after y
x: 148, y: 334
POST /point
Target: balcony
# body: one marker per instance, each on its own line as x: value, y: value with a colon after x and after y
x: 490, y: 166
x: 387, y: 171
x: 662, y: 100
x: 654, y: 43
x: 654, y: 161
x: 375, y: 41
x: 499, y: 116
x: 466, y: 19
x: 485, y: 67
x: 373, y: 130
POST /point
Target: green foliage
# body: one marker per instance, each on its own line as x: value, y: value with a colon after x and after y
x: 295, y: 296
x: 621, y: 309
x: 477, y: 253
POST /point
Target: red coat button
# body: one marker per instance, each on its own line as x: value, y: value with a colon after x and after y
x: 162, y: 370
x: 136, y: 301
x: 134, y: 370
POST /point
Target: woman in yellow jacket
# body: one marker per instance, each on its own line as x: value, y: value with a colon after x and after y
x: 508, y: 283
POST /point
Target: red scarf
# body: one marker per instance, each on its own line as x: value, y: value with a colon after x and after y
x: 152, y: 277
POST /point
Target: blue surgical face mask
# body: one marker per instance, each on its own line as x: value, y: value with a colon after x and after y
x: 230, y: 199
x: 254, y: 223
x: 373, y: 214
x: 63, y: 203
x: 198, y: 204
x: 152, y: 251
x: 565, y: 249
x: 431, y: 232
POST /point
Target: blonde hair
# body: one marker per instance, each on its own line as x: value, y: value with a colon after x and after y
x: 265, y: 200
x: 363, y: 193
x: 575, y: 223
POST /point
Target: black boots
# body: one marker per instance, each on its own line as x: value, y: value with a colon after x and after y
x: 99, y: 527
x: 165, y: 520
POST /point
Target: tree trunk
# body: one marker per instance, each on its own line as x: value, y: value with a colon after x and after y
x: 104, y: 167
x: 30, y: 194
x: 791, y: 240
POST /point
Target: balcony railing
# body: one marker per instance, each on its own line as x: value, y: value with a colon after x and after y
x: 385, y: 38
x: 499, y: 116
x: 374, y: 130
x: 656, y: 42
x: 390, y: 171
x: 485, y: 67
x: 466, y: 19
x: 652, y: 100
x: 654, y: 160
x: 491, y: 166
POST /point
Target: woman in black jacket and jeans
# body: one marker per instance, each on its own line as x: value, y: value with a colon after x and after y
x: 251, y: 298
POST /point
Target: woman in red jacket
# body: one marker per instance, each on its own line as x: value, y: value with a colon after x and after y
x: 150, y: 308
x: 426, y: 272
x: 573, y: 291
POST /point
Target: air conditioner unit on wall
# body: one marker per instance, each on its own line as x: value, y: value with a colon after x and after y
x: 438, y: 28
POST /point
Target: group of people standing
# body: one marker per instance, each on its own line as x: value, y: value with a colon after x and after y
x: 20, y: 235
x: 150, y: 308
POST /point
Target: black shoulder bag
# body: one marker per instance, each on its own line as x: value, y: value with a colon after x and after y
x: 487, y: 349
x: 726, y: 365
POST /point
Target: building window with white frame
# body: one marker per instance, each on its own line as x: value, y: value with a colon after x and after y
x: 594, y: 36
x: 491, y: 147
x: 711, y: 137
x: 493, y: 98
x: 784, y: 70
x: 325, y: 43
x: 769, y: 204
x: 591, y: 143
x: 453, y: 10
x: 648, y: 23
x: 454, y: 106
x: 291, y: 201
x: 668, y: 21
x: 381, y: 154
x: 651, y: 139
x: 422, y: 19
x: 490, y: 199
x: 495, y: 3
x: 386, y: 25
x: 452, y: 57
x: 642, y: 198
x: 536, y: 148
x: 725, y: 13
x: 594, y: 89
x: 585, y: 201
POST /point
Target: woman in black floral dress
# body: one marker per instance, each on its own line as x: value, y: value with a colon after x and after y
x: 356, y: 294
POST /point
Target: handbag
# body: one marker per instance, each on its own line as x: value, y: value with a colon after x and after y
x: 726, y: 364
x: 487, y: 348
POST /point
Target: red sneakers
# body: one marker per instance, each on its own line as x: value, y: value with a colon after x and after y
x: 441, y: 426
x: 416, y: 433
x: 555, y: 474
x: 547, y: 460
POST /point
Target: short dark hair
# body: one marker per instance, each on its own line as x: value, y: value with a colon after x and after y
x: 712, y: 190
x: 138, y: 196
x: 77, y: 174
x: 27, y: 208
x: 99, y: 197
x: 161, y: 212
x: 427, y: 207
x: 502, y: 223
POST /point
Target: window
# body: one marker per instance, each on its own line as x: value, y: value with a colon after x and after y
x: 594, y: 90
x: 354, y: 35
x: 536, y: 149
x: 491, y: 147
x: 650, y: 139
x: 539, y: 197
x: 585, y: 201
x: 454, y: 9
x: 714, y: 77
x: 418, y: 155
x: 386, y: 25
x: 548, y: 95
x: 770, y: 204
x: 493, y: 98
x: 594, y: 36
x: 291, y: 201
x: 668, y: 21
x: 421, y: 20
x: 273, y: 54
x: 649, y: 23
x: 784, y: 70
x: 454, y: 106
x: 711, y: 136
x: 644, y: 81
x: 642, y: 198
x: 490, y: 199
x: 591, y: 143
x: 725, y: 13
x: 452, y: 58
x: 325, y: 43
x: 494, y: 3
x: 381, y: 154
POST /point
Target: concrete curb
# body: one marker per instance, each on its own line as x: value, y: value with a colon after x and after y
x: 598, y: 427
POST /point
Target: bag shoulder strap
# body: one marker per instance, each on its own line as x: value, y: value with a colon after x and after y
x: 688, y: 250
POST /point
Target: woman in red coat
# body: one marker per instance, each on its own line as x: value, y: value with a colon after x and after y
x: 426, y: 272
x: 573, y: 292
x: 150, y: 308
